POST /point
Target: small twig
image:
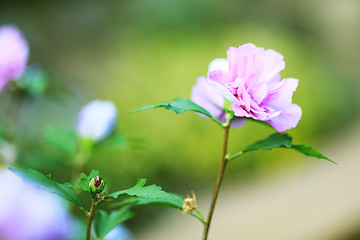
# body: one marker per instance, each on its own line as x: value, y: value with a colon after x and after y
x: 202, y: 217
x: 201, y: 220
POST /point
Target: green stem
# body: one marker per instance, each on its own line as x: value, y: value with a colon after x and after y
x: 224, y: 161
x: 202, y: 217
x: 13, y: 112
x: 91, y: 215
x: 199, y: 218
x: 235, y: 156
x: 79, y: 162
x: 81, y: 158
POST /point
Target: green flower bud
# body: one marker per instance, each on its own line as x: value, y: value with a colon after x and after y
x: 97, y: 185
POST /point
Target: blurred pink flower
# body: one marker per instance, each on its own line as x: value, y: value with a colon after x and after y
x: 250, y: 79
x: 14, y: 53
x: 28, y: 213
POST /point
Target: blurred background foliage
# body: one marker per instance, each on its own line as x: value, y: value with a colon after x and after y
x: 138, y: 53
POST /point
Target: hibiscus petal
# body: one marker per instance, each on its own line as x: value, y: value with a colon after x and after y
x: 258, y: 94
x: 245, y: 60
x: 245, y: 97
x: 273, y: 63
x: 281, y: 95
x: 238, y: 59
x: 239, y: 111
x: 274, y: 81
x: 264, y: 115
x: 219, y: 76
x: 219, y: 64
x: 292, y: 83
x: 231, y: 56
x: 288, y: 118
x: 223, y: 91
x: 205, y: 95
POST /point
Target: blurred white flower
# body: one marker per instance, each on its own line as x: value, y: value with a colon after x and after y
x: 96, y: 120
x: 28, y: 213
x: 78, y: 229
x: 120, y: 232
x: 8, y: 152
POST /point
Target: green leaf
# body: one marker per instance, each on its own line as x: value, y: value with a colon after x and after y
x: 64, y: 140
x: 104, y: 222
x: 70, y: 185
x: 113, y: 142
x: 85, y: 181
x: 162, y: 104
x: 49, y: 176
x: 35, y: 81
x: 180, y: 105
x: 150, y: 201
x: 309, y: 151
x: 150, y: 194
x: 93, y: 173
x: 44, y: 182
x: 273, y: 141
x: 281, y: 140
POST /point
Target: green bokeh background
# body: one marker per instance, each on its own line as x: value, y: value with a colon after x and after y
x: 137, y: 53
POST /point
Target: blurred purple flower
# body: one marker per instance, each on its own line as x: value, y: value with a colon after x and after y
x: 27, y: 213
x: 96, y: 120
x: 14, y: 53
x: 251, y: 81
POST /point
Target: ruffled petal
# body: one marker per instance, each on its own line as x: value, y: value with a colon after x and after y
x: 288, y: 118
x: 223, y: 91
x: 259, y: 93
x: 273, y: 63
x: 281, y: 95
x: 205, y: 95
x: 239, y: 111
x: 240, y: 60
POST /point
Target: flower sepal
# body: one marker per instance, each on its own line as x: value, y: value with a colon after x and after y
x: 97, y: 185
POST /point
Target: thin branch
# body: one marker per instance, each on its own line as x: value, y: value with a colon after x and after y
x: 91, y: 215
x: 224, y: 161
